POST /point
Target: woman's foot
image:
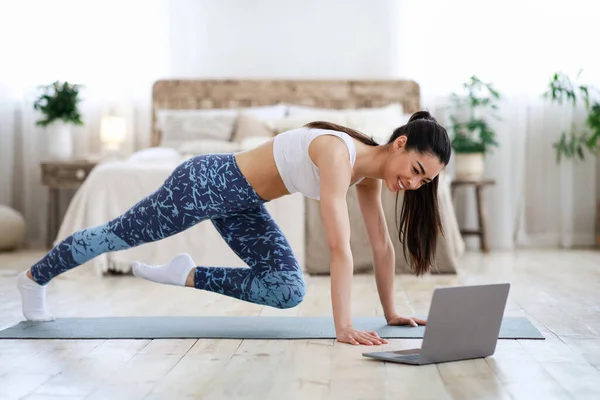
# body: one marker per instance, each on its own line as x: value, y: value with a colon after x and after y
x: 174, y: 273
x: 33, y: 298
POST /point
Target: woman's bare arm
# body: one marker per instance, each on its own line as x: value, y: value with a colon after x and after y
x: 384, y: 257
x: 369, y: 199
x: 330, y: 155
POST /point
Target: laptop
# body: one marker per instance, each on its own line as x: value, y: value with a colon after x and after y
x: 463, y: 323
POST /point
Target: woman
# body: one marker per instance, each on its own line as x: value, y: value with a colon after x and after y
x: 321, y: 160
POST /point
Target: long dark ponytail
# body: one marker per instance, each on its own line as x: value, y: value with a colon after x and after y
x: 420, y: 221
x: 419, y: 214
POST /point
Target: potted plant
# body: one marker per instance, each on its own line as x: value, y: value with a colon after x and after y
x: 572, y: 144
x: 472, y: 135
x: 59, y: 107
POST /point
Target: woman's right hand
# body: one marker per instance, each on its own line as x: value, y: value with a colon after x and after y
x: 356, y: 337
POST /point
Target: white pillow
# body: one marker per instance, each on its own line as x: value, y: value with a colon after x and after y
x: 381, y: 128
x: 378, y: 122
x: 153, y: 155
x: 254, y: 141
x: 266, y: 112
x: 289, y: 123
x: 296, y: 110
x: 180, y: 127
x: 207, y: 146
x: 357, y: 115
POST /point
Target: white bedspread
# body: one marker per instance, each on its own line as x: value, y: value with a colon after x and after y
x: 113, y: 187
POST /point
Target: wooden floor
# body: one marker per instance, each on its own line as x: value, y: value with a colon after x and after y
x: 558, y: 290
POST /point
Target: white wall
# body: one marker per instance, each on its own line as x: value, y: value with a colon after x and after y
x: 282, y: 39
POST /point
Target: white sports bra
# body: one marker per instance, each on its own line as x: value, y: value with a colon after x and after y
x: 297, y: 170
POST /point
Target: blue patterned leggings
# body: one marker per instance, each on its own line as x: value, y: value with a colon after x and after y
x: 203, y: 187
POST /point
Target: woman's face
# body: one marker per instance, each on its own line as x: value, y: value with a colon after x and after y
x: 409, y: 170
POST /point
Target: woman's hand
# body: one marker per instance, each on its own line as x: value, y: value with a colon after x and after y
x: 356, y: 337
x: 398, y: 320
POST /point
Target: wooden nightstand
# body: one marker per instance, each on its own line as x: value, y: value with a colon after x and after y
x: 479, y: 185
x: 62, y: 175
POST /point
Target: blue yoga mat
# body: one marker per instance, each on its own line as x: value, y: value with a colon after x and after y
x: 228, y: 327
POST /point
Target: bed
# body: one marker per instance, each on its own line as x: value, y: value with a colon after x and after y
x: 193, y: 116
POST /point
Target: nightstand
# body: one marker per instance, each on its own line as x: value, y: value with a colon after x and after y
x: 58, y: 175
x: 479, y: 185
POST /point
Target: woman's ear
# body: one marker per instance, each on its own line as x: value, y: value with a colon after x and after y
x: 399, y: 143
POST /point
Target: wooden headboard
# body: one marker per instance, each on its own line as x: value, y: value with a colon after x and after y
x: 337, y: 94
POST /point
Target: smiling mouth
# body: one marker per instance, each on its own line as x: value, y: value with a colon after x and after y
x: 399, y: 185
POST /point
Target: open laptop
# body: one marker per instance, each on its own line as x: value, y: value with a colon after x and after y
x: 463, y: 323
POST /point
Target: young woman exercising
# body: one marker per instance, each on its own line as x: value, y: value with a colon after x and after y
x: 320, y: 160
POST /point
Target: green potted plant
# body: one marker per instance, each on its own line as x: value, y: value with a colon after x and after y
x: 580, y: 138
x: 58, y: 105
x: 472, y: 135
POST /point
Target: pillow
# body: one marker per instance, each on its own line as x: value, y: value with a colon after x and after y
x: 155, y: 155
x: 266, y: 112
x: 358, y: 115
x: 185, y: 112
x: 250, y: 126
x: 289, y: 123
x: 295, y: 110
x: 179, y: 127
x: 379, y: 123
x: 255, y: 141
x: 207, y: 146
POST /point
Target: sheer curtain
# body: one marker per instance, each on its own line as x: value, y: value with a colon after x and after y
x: 115, y: 49
x: 516, y: 45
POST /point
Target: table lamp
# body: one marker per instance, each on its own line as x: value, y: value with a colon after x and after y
x: 112, y: 133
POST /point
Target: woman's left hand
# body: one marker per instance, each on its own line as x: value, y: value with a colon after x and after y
x: 398, y: 320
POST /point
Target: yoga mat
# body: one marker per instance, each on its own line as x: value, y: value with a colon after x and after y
x: 228, y: 327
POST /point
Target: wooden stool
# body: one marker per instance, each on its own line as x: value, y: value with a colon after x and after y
x: 481, y: 214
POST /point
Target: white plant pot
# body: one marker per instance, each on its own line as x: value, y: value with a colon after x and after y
x: 60, y: 142
x: 469, y: 166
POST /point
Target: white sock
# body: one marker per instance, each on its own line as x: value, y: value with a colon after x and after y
x: 173, y: 273
x: 33, y: 297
